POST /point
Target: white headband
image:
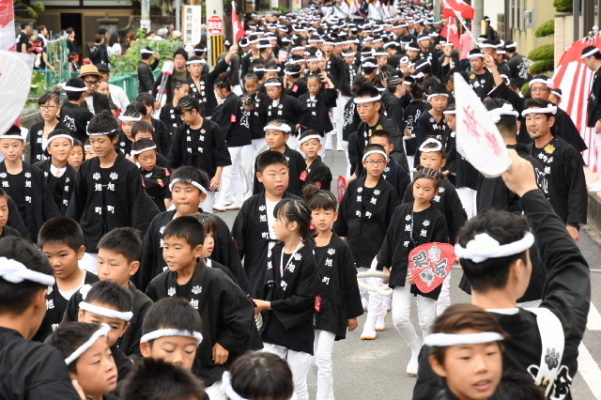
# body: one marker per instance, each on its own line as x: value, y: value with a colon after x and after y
x: 146, y: 51
x: 546, y: 110
x: 457, y: 339
x: 369, y: 65
x: 313, y: 59
x: 14, y: 271
x: 201, y: 61
x: 188, y: 181
x: 547, y: 82
x: 271, y: 70
x: 159, y: 333
x: 74, y: 88
x: 483, y: 246
x: 506, y: 109
x: 436, y: 94
x: 590, y: 53
x: 309, y: 137
x: 449, y: 112
x: 106, y: 312
x: 127, y: 118
x: 100, y: 133
x: 281, y: 128
x: 136, y: 152
x: 292, y: 73
x: 367, y: 100
x: 383, y: 153
x: 227, y: 389
x: 409, y: 47
x: 475, y: 55
x: 22, y: 136
x: 102, y: 331
x: 556, y: 93
x: 60, y: 136
x: 268, y: 84
x: 428, y: 141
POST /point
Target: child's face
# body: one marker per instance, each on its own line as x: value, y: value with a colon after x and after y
x: 4, y: 213
x: 76, y: 157
x: 208, y: 245
x: 471, y: 371
x: 432, y: 159
x: 118, y: 326
x: 95, y: 370
x: 424, y: 191
x: 126, y: 127
x: 181, y: 91
x: 103, y: 145
x: 251, y: 86
x: 12, y: 149
x: 311, y: 148
x: 273, y: 92
x: 313, y: 85
x: 179, y: 254
x: 190, y: 117
x: 49, y: 110
x: 114, y: 267
x: 276, y: 139
x: 147, y: 159
x: 382, y: 141
x: 186, y: 198
x: 283, y: 228
x: 439, y: 103
x: 451, y: 121
x: 63, y: 258
x: 323, y: 219
x: 275, y: 178
x: 374, y: 164
x: 175, y: 350
x: 90, y: 153
x: 60, y: 149
x: 143, y: 135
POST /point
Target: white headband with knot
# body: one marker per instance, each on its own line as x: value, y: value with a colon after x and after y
x: 457, y: 339
x: 227, y: 389
x: 102, y: 331
x: 136, y: 152
x: 483, y: 246
x: 159, y: 333
x: 424, y: 149
x: 188, y: 181
x: 281, y: 128
x: 497, y: 113
x: 550, y: 109
x: 14, y: 271
x: 106, y: 312
x: 547, y: 82
x: 383, y: 153
x: 59, y: 136
x: 309, y: 137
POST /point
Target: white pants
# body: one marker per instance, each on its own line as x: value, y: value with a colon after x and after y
x: 89, y: 262
x: 376, y: 307
x: 299, y: 363
x: 214, y: 392
x: 324, y: 345
x: 292, y: 142
x: 344, y: 143
x: 401, y: 315
x: 236, y: 185
x: 259, y: 146
x: 339, y: 120
x: 207, y: 205
x: 468, y: 200
x: 444, y: 299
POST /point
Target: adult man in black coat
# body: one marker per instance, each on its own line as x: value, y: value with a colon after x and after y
x: 149, y: 61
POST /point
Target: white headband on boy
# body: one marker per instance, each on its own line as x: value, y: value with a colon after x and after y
x: 60, y: 136
x: 424, y: 149
x: 590, y: 53
x: 136, y: 152
x: 506, y: 109
x: 457, y: 339
x: 309, y: 137
x: 188, y: 181
x: 269, y: 84
x: 227, y: 389
x: 483, y: 246
x: 128, y: 118
x: 68, y: 88
x: 550, y: 109
x: 475, y: 55
x: 383, y: 153
x: 364, y: 100
x: 101, y: 133
x: 106, y: 312
x: 556, y: 93
x: 102, y: 331
x: 449, y: 112
x: 281, y: 128
x: 14, y: 271
x: 146, y: 51
x: 159, y: 333
x: 547, y: 82
x: 22, y: 136
x: 201, y: 61
x: 430, y: 96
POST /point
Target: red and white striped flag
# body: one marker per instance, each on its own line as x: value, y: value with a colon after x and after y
x: 237, y: 26
x: 7, y: 26
x: 460, y: 8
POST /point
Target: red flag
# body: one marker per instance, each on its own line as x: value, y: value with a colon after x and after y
x: 238, y: 28
x: 450, y: 31
x: 460, y: 7
x: 7, y: 26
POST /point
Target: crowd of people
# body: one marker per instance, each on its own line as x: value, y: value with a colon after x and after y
x: 119, y: 279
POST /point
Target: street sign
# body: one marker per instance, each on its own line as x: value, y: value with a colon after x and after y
x: 191, y: 25
x: 215, y: 25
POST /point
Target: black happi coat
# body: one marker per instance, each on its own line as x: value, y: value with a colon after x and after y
x: 225, y: 311
x: 318, y: 173
x: 567, y: 293
x: 298, y: 88
x: 288, y: 108
x: 204, y: 92
x: 338, y: 288
x: 398, y: 176
x: 289, y: 323
x: 318, y: 110
x: 123, y: 146
x: 36, y: 153
x: 169, y: 117
x: 162, y: 136
x: 449, y: 204
x: 130, y: 341
x: 107, y: 198
x: 408, y: 230
x: 563, y: 168
x: 203, y: 148
x: 56, y: 305
x: 593, y: 110
x: 251, y: 233
x: 152, y: 262
x: 296, y: 165
x: 32, y: 197
x: 60, y: 188
x: 364, y: 216
x: 426, y: 125
x: 481, y: 84
x: 32, y: 370
x: 257, y: 116
x: 351, y: 120
x: 234, y: 119
x: 75, y: 118
x: 156, y: 184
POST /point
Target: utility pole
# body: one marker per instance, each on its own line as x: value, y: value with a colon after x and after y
x: 479, y: 14
x: 178, y: 15
x: 145, y: 14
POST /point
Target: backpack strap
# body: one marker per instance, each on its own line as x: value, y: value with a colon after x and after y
x: 553, y: 343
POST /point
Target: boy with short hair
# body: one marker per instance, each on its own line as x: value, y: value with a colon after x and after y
x: 155, y: 179
x: 61, y: 240
x: 253, y: 228
x: 118, y: 260
x: 277, y: 133
x: 188, y: 188
x: 226, y: 312
x: 29, y: 370
x: 396, y: 174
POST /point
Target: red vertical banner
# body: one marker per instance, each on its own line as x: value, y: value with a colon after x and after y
x: 7, y: 25
x: 238, y: 31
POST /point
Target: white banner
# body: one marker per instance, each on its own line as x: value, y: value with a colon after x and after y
x: 191, y: 26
